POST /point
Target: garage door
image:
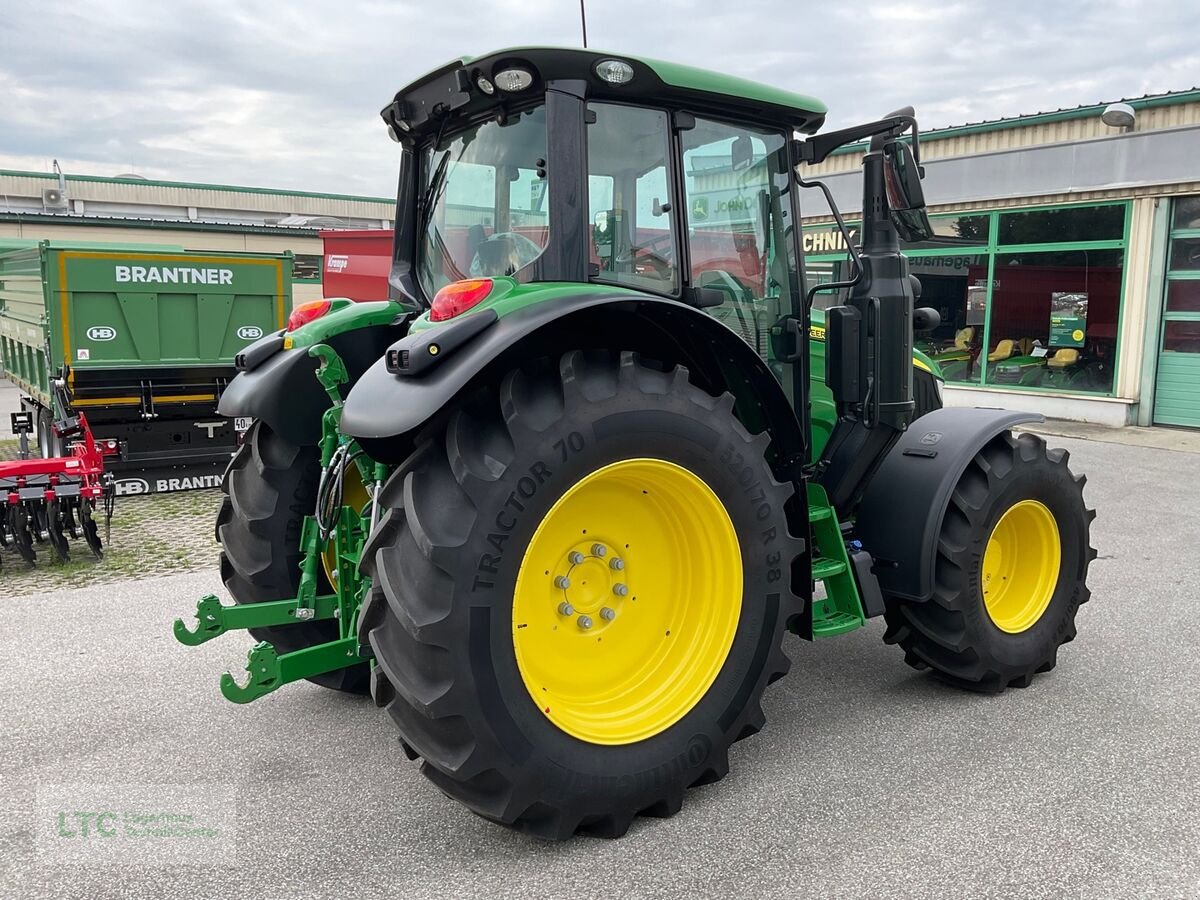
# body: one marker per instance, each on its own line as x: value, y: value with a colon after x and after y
x: 1177, y: 387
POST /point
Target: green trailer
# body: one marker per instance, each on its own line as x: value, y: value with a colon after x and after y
x: 144, y: 337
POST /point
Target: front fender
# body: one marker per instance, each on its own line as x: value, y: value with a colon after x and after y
x: 901, y: 512
x: 384, y: 405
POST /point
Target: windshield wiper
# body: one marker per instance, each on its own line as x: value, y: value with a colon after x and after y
x: 434, y: 190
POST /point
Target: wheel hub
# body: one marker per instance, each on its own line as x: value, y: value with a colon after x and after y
x: 593, y: 585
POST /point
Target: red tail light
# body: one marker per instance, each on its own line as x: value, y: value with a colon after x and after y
x: 459, y: 296
x: 307, y: 312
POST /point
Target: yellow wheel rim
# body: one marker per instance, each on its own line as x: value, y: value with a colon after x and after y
x: 354, y: 495
x: 627, y: 601
x: 1020, y: 566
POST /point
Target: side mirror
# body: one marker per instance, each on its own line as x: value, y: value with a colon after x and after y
x: 906, y: 198
x: 741, y: 154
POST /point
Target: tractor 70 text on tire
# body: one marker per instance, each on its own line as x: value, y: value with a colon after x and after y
x: 557, y: 503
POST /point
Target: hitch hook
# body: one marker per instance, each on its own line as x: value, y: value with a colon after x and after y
x: 210, y: 623
x: 263, y: 666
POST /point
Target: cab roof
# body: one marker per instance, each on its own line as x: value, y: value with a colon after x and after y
x: 454, y: 88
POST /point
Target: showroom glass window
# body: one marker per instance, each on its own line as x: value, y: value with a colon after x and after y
x: 1028, y: 298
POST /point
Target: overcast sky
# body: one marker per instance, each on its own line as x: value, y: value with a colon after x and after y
x: 287, y: 94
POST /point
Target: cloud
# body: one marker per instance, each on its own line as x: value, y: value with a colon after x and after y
x: 287, y: 94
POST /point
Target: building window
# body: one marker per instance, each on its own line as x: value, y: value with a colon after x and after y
x: 1063, y: 226
x: 306, y: 267
x: 1053, y: 319
x: 1028, y: 299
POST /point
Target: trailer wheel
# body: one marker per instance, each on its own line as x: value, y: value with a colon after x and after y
x: 49, y: 443
x: 581, y: 588
x: 270, y: 486
x: 1011, y: 570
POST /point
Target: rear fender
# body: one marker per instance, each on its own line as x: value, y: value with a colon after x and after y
x: 282, y: 388
x: 901, y: 512
x: 386, y: 407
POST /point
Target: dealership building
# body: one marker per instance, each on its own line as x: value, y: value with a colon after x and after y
x: 1065, y: 262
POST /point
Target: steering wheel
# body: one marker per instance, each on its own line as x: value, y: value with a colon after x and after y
x: 521, y: 252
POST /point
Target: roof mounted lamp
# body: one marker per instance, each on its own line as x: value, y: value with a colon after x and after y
x: 513, y: 79
x: 614, y: 71
x: 1118, y: 115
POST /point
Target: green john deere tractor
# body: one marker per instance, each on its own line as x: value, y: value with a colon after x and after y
x: 558, y: 502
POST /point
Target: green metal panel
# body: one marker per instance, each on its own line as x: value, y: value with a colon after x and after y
x: 1177, y: 385
x: 133, y: 306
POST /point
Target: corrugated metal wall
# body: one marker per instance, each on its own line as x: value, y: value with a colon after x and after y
x: 191, y: 240
x: 183, y: 196
x: 934, y: 147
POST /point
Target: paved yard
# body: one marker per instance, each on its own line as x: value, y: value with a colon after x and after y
x: 870, y: 780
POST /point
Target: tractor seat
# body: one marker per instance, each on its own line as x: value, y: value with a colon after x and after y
x: 963, y: 338
x: 1063, y: 358
x: 1003, y: 350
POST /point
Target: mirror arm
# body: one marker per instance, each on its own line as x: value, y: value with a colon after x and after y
x: 837, y: 216
x: 817, y: 148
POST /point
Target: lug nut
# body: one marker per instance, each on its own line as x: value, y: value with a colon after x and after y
x: 608, y: 614
x: 616, y: 563
x: 585, y: 622
x: 562, y: 581
x: 575, y: 557
x: 599, y: 550
x: 566, y: 609
x: 620, y: 590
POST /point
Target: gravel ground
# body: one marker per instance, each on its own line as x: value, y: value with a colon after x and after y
x: 870, y: 780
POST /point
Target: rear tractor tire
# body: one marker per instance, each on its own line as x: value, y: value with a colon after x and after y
x: 580, y: 594
x: 270, y: 486
x: 1011, y: 570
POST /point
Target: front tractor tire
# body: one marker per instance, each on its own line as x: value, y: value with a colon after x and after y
x: 1011, y: 570
x: 580, y: 594
x: 270, y: 486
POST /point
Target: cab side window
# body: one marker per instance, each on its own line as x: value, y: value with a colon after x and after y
x: 629, y: 204
x: 739, y: 224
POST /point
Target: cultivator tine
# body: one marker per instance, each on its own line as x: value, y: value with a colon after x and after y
x: 39, y: 526
x: 54, y: 529
x: 22, y: 538
x: 68, y: 513
x: 91, y: 534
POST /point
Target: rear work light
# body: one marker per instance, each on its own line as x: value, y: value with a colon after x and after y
x: 457, y: 297
x: 307, y: 312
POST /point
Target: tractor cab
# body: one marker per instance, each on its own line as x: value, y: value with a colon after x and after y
x: 534, y: 166
x: 571, y: 165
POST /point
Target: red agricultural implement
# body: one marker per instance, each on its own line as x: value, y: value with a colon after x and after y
x: 47, y: 501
